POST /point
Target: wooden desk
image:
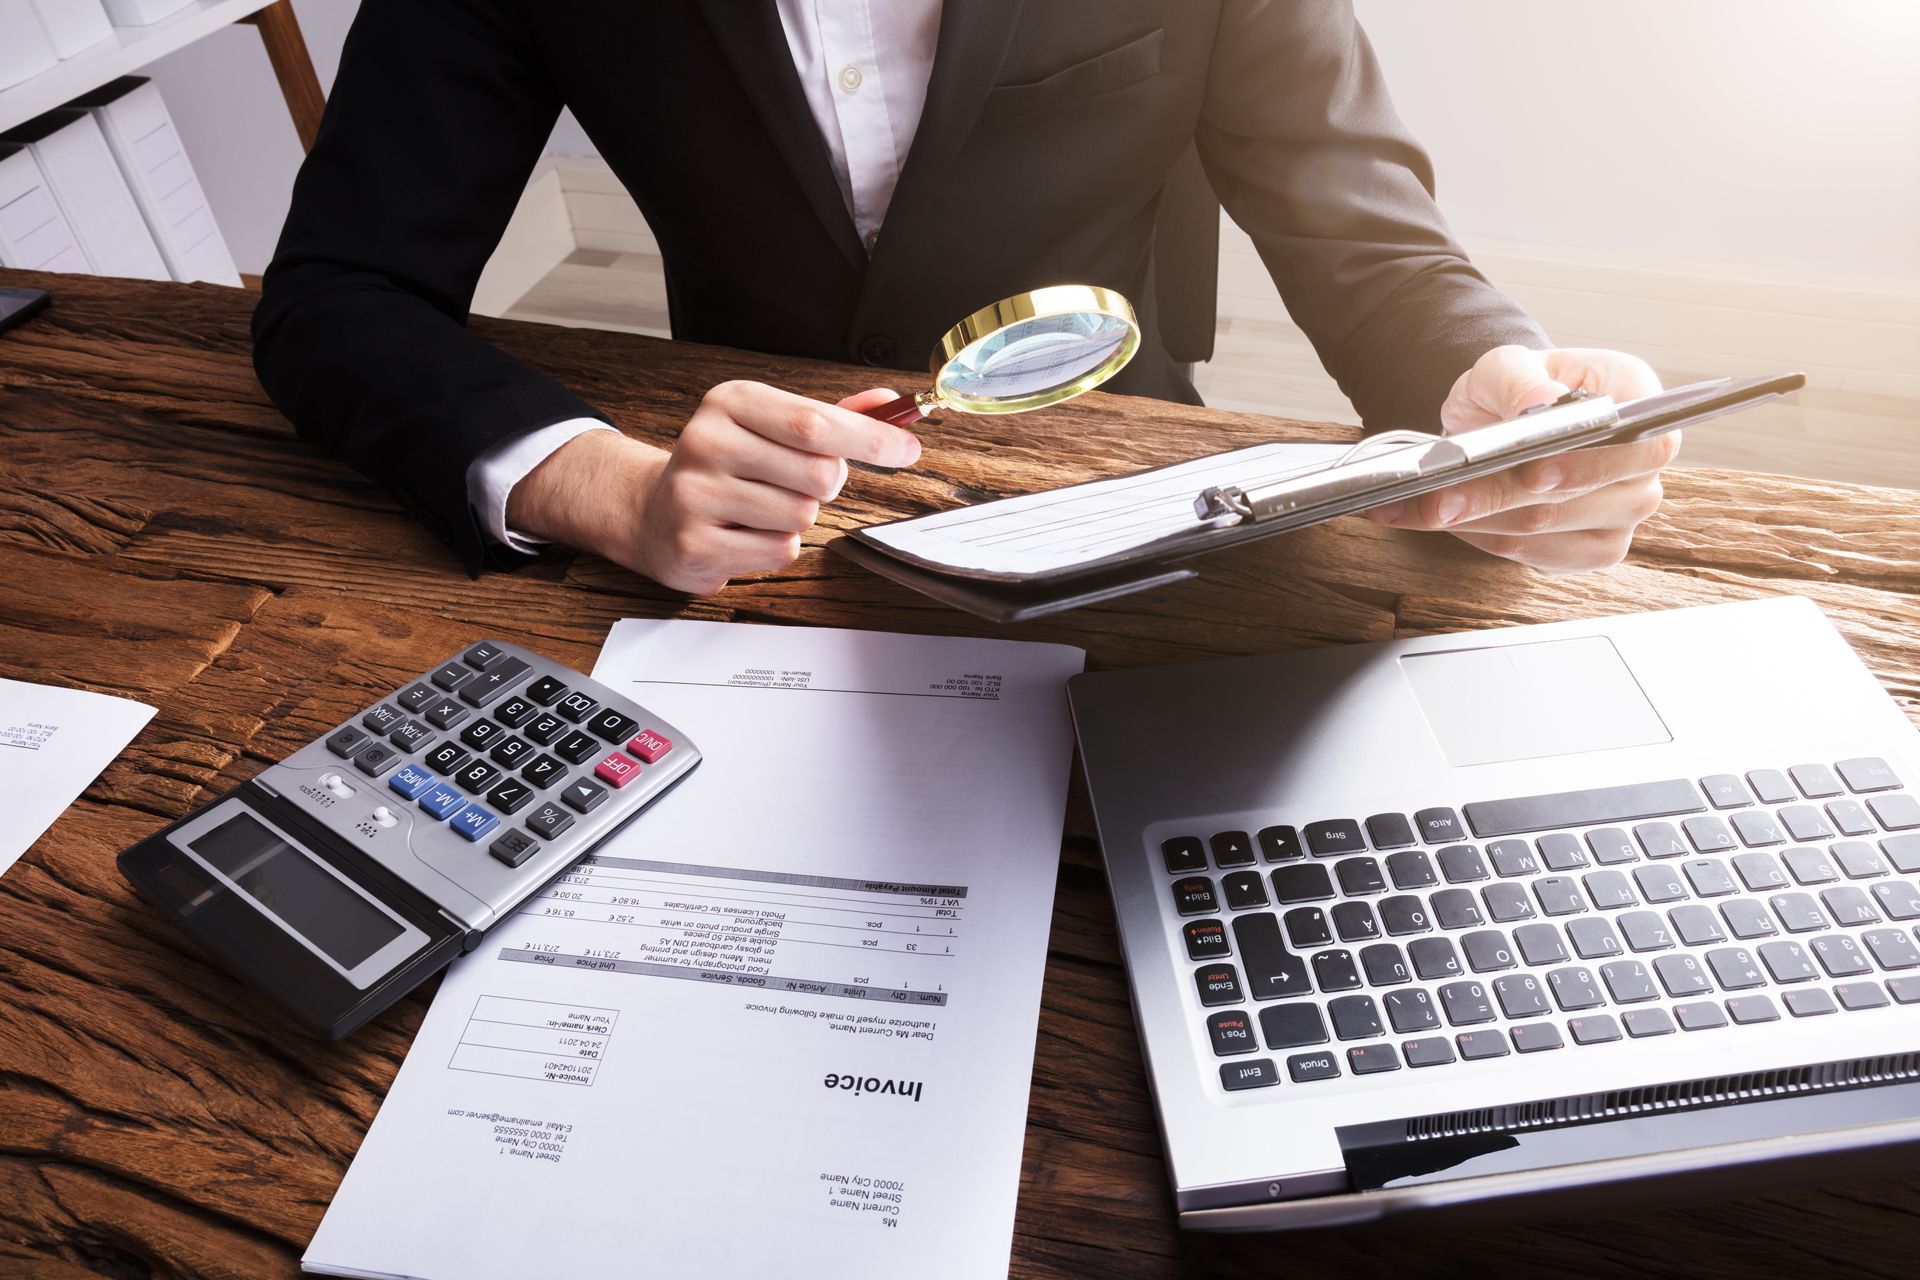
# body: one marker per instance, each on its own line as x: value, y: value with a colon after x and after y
x: 163, y: 535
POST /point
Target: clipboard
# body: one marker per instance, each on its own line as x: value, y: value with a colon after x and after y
x: 1384, y: 468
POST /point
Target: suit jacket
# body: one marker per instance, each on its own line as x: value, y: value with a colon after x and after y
x: 1042, y: 157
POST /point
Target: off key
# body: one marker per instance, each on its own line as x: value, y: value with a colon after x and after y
x: 616, y: 770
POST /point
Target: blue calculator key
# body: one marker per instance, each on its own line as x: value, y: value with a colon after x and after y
x: 411, y: 781
x: 442, y: 801
x: 474, y: 822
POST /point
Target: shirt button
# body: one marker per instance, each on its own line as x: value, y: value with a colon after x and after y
x: 850, y: 78
x: 876, y: 349
x: 873, y: 238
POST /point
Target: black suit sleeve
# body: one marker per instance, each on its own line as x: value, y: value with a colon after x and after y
x: 1301, y: 141
x: 437, y: 116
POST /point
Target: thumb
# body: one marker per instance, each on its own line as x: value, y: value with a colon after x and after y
x: 1502, y: 383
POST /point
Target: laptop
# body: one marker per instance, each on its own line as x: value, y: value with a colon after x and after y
x: 1532, y: 913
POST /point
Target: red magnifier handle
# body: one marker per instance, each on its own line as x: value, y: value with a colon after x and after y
x: 898, y: 412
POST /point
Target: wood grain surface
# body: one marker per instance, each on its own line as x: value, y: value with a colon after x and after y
x: 165, y: 536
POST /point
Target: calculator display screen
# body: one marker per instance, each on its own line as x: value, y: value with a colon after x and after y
x: 305, y: 895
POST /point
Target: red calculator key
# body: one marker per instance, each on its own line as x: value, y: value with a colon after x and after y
x: 616, y: 770
x: 649, y: 746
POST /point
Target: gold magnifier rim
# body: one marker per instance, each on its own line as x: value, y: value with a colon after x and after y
x: 1053, y: 300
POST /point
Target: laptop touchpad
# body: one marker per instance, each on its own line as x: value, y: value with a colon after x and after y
x: 1524, y: 701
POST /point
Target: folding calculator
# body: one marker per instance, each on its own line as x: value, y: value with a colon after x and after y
x: 347, y: 874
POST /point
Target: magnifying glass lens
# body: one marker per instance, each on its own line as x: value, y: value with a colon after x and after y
x: 1034, y: 356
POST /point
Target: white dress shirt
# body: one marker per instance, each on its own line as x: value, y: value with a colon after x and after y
x: 864, y: 65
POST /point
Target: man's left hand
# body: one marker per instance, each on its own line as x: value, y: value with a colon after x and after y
x: 1564, y: 514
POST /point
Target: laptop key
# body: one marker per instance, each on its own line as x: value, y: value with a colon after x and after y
x: 1410, y: 1011
x: 1301, y: 882
x: 1438, y: 826
x: 1815, y: 781
x: 1334, y: 837
x: 1573, y: 988
x: 1857, y: 860
x: 1403, y: 915
x: 1272, y: 970
x: 1431, y: 1051
x: 1787, y: 962
x: 1860, y: 995
x: 1660, y: 840
x: 1749, y: 1009
x: 1292, y: 1026
x: 1660, y: 882
x: 1759, y: 871
x: 1434, y: 958
x: 1628, y: 981
x: 1562, y: 852
x: 1850, y: 817
x: 1849, y: 905
x: 1840, y: 956
x: 1244, y: 890
x: 1611, y: 845
x: 1701, y: 1015
x: 1307, y: 927
x: 1583, y: 808
x: 1457, y: 909
x: 1475, y: 1045
x: 1303, y: 1067
x: 1390, y: 831
x: 1521, y: 995
x: 1540, y: 944
x: 1807, y: 1002
x: 1250, y: 1073
x: 1359, y: 877
x: 1354, y: 1018
x: 1558, y: 896
x: 1183, y: 855
x: 1507, y: 902
x: 1411, y: 869
x: 1231, y: 849
x: 1367, y: 1059
x: 1757, y: 827
x: 1696, y: 925
x: 1608, y: 890
x: 1707, y: 834
x: 1903, y: 852
x: 1385, y: 966
x: 1725, y: 791
x: 1280, y: 844
x: 1593, y: 938
x: 1709, y: 877
x: 1891, y: 948
x: 1682, y: 975
x: 1512, y: 858
x: 1747, y: 919
x: 1904, y: 990
x: 1641, y: 1023
x: 1799, y: 913
x: 1218, y: 984
x: 1897, y: 812
x: 1535, y: 1037
x: 1461, y: 864
x: 1868, y: 773
x: 1593, y: 1028
x: 1804, y: 822
x: 1231, y: 1032
x: 1194, y: 896
x: 1735, y: 969
x: 1771, y: 786
x: 1205, y: 939
x: 1645, y: 931
x: 1466, y: 1003
x: 1487, y: 950
x: 1809, y: 866
x: 1335, y: 971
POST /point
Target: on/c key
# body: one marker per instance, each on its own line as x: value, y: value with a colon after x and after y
x: 616, y: 770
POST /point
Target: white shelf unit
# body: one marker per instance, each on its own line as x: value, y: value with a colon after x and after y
x: 126, y: 51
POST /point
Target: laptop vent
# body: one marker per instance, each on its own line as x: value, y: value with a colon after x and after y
x: 1685, y: 1095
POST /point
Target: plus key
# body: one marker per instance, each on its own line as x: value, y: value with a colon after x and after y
x: 616, y: 770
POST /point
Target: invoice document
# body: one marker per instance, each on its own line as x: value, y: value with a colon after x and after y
x: 53, y: 743
x: 1039, y: 533
x: 783, y: 1024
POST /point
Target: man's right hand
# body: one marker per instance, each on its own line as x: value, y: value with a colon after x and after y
x: 745, y: 480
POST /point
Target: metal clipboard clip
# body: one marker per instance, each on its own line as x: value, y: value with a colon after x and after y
x: 1393, y: 458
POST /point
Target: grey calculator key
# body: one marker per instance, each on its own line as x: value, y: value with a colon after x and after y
x: 1809, y: 866
x: 1840, y: 956
x: 545, y: 690
x: 1725, y: 791
x: 1660, y: 882
x: 1243, y: 889
x: 1735, y: 969
x: 1487, y: 950
x: 1411, y: 869
x: 1696, y: 925
x: 1573, y: 988
x: 1521, y: 995
x: 1438, y: 826
x: 1646, y: 1022
x: 445, y: 714
x: 514, y: 712
x: 549, y: 821
x: 451, y: 676
x: 376, y: 759
x: 1758, y: 827
x: 1334, y: 837
x: 1302, y: 882
x: 1787, y: 962
x: 1433, y: 958
x: 1308, y: 927
x: 1428, y: 1051
x: 1815, y: 781
x: 348, y: 741
x: 1754, y: 1008
x: 1593, y: 938
x: 1410, y: 1011
x: 1475, y: 1045
x: 1461, y: 864
x: 382, y: 718
x: 1593, y: 1028
x: 1540, y: 944
x: 1335, y: 971
x: 1354, y: 922
x: 1807, y: 1002
x: 1231, y: 1032
x: 1708, y: 834
x: 1384, y: 965
x: 1466, y: 1003
x: 1611, y: 845
x: 1771, y: 786
x: 1861, y: 995
x: 1457, y: 909
x: 1559, y: 896
x: 511, y: 796
x: 1700, y: 1015
x: 1903, y: 852
x: 1182, y: 854
x: 1759, y: 871
x: 1294, y: 1025
x: 1512, y: 858
x: 1868, y: 773
x: 1645, y: 931
x: 514, y: 847
x: 1608, y: 890
x: 1850, y: 817
x: 1891, y: 948
x: 486, y: 688
x: 1230, y: 848
x: 417, y: 698
x: 1799, y: 913
x: 583, y: 796
x: 1562, y: 852
x: 1535, y: 1037
x: 1305, y: 1067
x: 1359, y: 877
x: 1354, y: 1018
x: 1404, y: 914
x: 1660, y: 840
x: 1507, y: 902
x: 482, y: 654
x: 1194, y: 896
x: 1857, y: 859
x: 1280, y: 844
x: 1849, y: 905
x: 546, y: 726
x: 1390, y: 831
x: 1249, y: 1073
x: 411, y: 736
x: 1897, y: 812
x: 1804, y: 822
x: 1709, y: 877
x: 1682, y: 975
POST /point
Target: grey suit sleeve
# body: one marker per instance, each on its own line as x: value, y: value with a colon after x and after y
x: 1303, y: 146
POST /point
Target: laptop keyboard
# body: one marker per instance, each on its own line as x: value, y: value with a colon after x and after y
x: 1352, y: 947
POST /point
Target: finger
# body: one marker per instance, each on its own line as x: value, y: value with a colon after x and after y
x: 1500, y: 385
x: 741, y: 551
x: 754, y: 457
x: 862, y: 401
x: 749, y: 504
x: 1621, y: 506
x: 813, y: 427
x: 1577, y: 552
x: 1584, y: 470
x: 1557, y: 479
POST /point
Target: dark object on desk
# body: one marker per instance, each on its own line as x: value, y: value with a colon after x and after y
x: 18, y: 305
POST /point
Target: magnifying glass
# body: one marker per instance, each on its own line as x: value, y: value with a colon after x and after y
x: 1026, y: 352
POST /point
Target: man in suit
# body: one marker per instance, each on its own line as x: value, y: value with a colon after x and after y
x: 842, y: 180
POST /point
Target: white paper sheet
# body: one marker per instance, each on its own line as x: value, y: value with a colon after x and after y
x: 53, y: 742
x: 783, y: 1025
x: 1045, y: 532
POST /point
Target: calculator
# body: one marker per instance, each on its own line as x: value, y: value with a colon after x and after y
x: 356, y: 868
